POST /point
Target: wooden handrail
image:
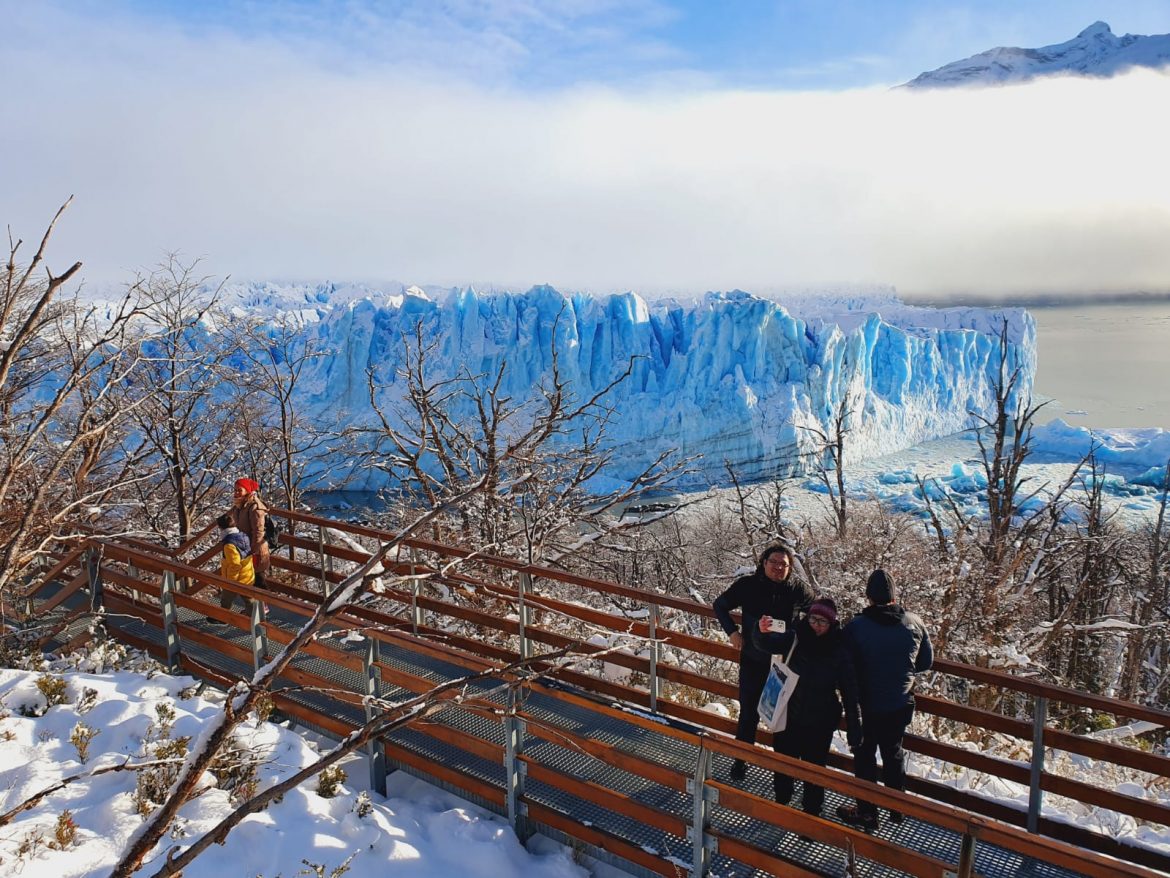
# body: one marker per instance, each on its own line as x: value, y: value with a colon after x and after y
x: 971, y: 672
x: 1065, y: 740
x: 1053, y: 692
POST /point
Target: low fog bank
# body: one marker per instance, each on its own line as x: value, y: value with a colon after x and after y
x: 1042, y: 299
x: 271, y: 164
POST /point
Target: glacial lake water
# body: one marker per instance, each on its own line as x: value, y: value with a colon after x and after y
x: 1104, y: 364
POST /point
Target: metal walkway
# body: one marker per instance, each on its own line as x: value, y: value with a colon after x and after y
x: 629, y: 787
x: 599, y: 725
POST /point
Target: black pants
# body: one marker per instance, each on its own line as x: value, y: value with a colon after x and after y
x: 808, y: 743
x: 752, y: 676
x: 882, y: 731
x: 228, y: 598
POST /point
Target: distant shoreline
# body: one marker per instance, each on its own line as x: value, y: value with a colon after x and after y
x: 1040, y: 300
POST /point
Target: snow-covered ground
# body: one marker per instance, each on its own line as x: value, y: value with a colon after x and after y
x: 416, y: 831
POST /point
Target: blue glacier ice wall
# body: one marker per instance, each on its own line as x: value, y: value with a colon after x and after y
x: 730, y: 377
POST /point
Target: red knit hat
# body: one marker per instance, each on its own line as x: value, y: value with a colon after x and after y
x: 826, y: 608
x: 249, y: 485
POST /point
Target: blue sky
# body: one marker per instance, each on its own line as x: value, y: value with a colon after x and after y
x: 591, y: 144
x: 820, y: 44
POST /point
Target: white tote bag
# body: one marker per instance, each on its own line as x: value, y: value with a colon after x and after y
x: 778, y: 690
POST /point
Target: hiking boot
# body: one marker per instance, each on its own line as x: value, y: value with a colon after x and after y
x: 864, y: 820
x: 895, y: 816
x: 738, y: 770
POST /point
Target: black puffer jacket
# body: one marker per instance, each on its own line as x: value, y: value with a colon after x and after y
x: 889, y: 647
x: 825, y: 667
x: 757, y: 596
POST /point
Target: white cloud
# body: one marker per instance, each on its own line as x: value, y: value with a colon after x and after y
x: 274, y: 165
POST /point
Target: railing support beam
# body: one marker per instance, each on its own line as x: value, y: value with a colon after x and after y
x: 966, y: 857
x: 1035, y: 793
x: 170, y: 617
x: 375, y: 749
x: 701, y: 845
x: 326, y: 562
x: 525, y: 643
x: 93, y: 574
x: 655, y: 654
x: 259, y: 638
x: 514, y: 768
x: 416, y: 614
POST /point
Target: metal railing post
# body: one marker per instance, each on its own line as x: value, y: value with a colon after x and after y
x: 966, y: 857
x: 93, y: 575
x: 170, y: 615
x: 1035, y: 794
x: 703, y: 799
x: 132, y: 569
x: 654, y: 656
x: 375, y: 749
x: 525, y: 644
x: 416, y: 619
x: 259, y: 639
x: 514, y: 768
x: 326, y: 583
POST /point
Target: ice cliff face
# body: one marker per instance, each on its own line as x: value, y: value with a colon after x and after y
x: 731, y: 377
x: 1094, y: 52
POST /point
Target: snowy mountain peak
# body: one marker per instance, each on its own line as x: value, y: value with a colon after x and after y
x: 1096, y: 29
x: 1095, y: 51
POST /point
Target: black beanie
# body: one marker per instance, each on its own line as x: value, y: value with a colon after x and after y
x: 880, y: 587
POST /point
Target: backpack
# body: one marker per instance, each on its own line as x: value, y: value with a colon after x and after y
x: 271, y: 534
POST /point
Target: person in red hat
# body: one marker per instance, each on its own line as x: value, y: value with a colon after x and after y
x: 248, y: 514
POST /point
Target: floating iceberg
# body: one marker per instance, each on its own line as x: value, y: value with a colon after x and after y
x: 1130, y: 449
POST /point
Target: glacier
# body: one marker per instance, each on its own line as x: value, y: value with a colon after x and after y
x: 729, y: 377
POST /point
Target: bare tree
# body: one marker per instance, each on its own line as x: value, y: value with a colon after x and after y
x: 760, y: 510
x: 1144, y: 664
x: 1005, y: 439
x: 285, y: 448
x: 829, y: 461
x: 183, y: 413
x: 59, y: 361
x: 242, y: 698
x: 449, y: 430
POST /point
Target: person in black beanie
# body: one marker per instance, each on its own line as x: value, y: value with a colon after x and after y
x: 770, y: 591
x: 889, y: 647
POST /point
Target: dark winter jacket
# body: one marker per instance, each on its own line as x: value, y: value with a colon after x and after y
x: 757, y: 596
x: 889, y: 647
x: 825, y: 666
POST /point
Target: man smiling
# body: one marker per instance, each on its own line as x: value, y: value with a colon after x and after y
x: 770, y: 591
